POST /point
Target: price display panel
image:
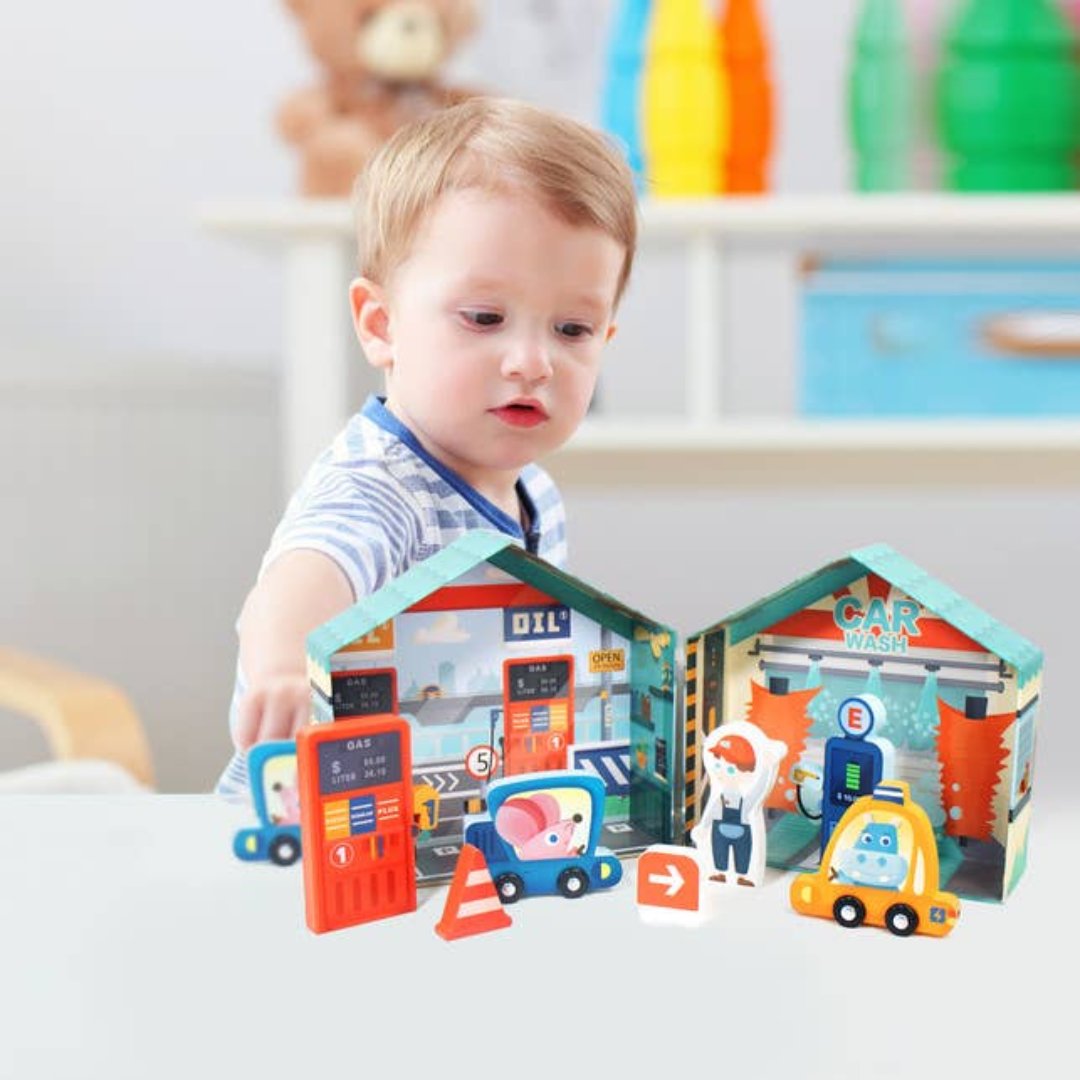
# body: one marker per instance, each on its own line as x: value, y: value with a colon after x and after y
x: 356, y: 806
x: 368, y: 692
x: 538, y: 713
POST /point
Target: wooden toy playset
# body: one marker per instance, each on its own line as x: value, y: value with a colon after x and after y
x: 489, y: 718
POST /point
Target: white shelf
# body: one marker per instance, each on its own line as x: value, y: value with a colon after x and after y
x: 280, y: 220
x: 791, y: 218
x: 774, y: 451
x: 1041, y: 217
x: 315, y: 236
x: 750, y: 436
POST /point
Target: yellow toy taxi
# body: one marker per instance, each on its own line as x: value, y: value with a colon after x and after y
x: 880, y: 868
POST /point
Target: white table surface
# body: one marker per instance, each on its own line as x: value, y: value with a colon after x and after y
x: 133, y: 944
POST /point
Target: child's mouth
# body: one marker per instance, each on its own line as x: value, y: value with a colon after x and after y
x: 520, y: 414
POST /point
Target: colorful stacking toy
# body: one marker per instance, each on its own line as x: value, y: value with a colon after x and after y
x: 620, y: 109
x: 880, y: 98
x: 746, y: 63
x: 686, y: 101
x: 1009, y: 97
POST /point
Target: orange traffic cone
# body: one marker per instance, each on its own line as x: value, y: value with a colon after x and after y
x: 472, y: 905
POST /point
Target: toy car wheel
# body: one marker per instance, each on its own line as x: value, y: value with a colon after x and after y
x: 510, y: 888
x: 849, y: 911
x: 284, y: 850
x: 573, y: 883
x: 902, y: 920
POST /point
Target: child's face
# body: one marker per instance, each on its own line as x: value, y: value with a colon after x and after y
x: 491, y: 331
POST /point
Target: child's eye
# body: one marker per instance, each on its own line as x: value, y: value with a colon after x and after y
x: 482, y: 318
x: 573, y: 329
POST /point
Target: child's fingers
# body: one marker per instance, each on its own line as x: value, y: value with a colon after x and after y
x: 302, y: 712
x: 249, y: 718
x: 277, y: 717
x: 273, y: 711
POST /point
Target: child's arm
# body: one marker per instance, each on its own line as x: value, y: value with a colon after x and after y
x: 298, y: 592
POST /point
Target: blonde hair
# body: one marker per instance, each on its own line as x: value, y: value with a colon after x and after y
x: 493, y: 144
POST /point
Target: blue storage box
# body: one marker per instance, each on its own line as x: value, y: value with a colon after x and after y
x: 941, y: 338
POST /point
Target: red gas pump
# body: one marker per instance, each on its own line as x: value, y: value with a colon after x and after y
x: 356, y: 803
x: 538, y: 713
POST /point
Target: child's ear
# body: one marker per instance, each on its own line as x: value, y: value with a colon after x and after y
x: 371, y: 318
x: 612, y: 327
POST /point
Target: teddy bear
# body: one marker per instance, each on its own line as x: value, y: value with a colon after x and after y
x: 380, y: 61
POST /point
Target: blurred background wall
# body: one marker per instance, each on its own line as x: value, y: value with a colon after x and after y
x: 139, y: 357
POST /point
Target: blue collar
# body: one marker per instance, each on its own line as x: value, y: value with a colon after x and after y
x: 376, y: 411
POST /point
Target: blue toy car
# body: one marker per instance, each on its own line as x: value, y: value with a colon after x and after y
x: 274, y: 793
x: 539, y: 836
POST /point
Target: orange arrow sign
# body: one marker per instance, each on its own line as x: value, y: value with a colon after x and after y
x: 669, y: 877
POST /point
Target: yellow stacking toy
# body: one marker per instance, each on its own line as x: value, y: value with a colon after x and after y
x: 686, y: 103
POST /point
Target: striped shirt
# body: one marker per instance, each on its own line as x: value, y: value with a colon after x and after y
x: 376, y: 502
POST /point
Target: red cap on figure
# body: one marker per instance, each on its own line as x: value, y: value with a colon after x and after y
x: 737, y: 750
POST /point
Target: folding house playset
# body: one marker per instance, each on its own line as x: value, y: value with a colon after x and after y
x: 869, y: 670
x: 488, y: 702
x: 503, y: 666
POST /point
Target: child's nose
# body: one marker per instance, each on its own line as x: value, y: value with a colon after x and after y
x: 527, y: 359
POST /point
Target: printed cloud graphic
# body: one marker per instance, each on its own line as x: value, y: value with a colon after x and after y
x: 445, y: 630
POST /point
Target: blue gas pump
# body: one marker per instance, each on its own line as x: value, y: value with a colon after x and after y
x: 855, y: 762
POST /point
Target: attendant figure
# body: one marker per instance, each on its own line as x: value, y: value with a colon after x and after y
x: 742, y: 765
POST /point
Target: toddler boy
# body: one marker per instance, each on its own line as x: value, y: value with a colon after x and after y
x: 496, y: 240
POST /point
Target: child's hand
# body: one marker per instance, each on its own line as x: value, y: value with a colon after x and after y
x: 273, y: 709
x: 298, y: 592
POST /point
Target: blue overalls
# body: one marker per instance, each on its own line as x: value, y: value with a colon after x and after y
x: 729, y: 832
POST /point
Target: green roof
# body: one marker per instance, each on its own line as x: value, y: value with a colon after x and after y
x: 887, y: 563
x: 458, y: 558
